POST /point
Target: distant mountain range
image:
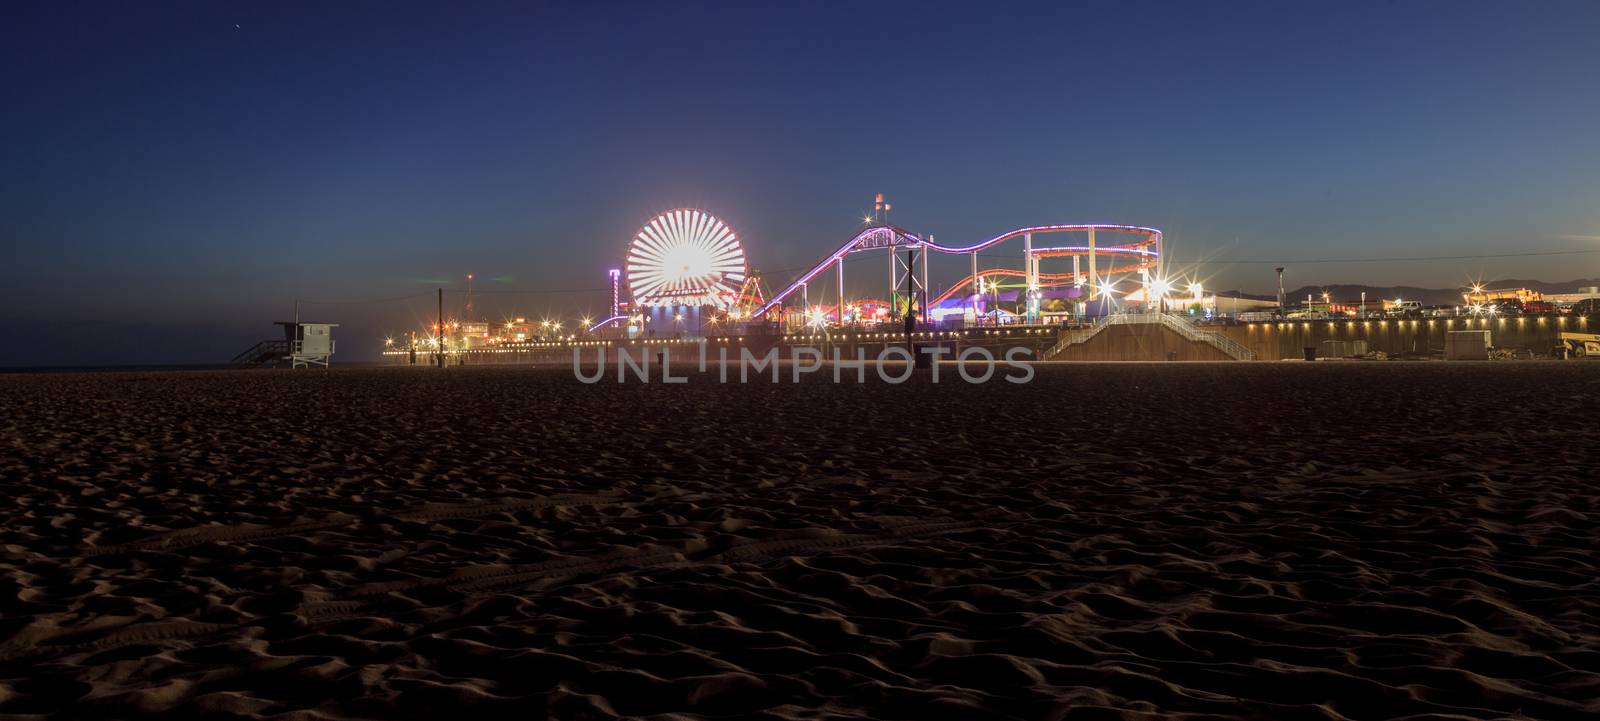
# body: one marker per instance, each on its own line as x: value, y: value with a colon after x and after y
x: 1427, y: 296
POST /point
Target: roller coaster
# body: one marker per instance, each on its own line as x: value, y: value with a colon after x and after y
x: 1142, y: 254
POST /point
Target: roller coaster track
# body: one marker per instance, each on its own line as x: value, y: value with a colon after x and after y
x: 1007, y: 272
x: 889, y: 236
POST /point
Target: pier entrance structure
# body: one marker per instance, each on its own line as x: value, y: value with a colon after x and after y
x: 1096, y: 265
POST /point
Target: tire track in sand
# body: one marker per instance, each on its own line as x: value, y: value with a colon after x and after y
x: 188, y: 537
x: 364, y: 600
x: 38, y: 641
x: 494, y: 579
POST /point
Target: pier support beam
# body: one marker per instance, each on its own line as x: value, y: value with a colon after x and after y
x: 894, y: 310
x: 924, y: 302
x: 1094, y: 275
x: 1077, y: 280
x: 839, y: 312
x: 1030, y: 274
x: 976, y: 289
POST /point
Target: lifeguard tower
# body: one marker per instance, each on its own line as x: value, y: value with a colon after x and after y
x: 303, y: 345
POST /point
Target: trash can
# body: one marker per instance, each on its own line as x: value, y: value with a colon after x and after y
x: 1311, y: 353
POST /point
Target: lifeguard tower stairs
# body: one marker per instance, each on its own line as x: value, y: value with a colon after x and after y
x: 304, y: 345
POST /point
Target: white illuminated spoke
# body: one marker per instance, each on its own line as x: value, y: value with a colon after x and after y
x: 685, y: 257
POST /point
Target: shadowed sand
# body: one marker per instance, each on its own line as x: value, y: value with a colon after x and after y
x: 1270, y: 541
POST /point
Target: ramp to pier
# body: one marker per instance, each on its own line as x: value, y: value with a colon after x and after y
x: 1149, y: 336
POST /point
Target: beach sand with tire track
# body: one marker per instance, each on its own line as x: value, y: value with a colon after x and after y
x: 1197, y: 541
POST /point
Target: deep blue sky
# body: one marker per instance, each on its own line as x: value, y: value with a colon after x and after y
x: 174, y: 175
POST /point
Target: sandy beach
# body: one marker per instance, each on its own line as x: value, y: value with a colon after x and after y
x: 1135, y: 541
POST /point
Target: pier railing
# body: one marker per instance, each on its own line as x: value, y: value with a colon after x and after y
x: 1217, y: 340
x: 1074, y: 336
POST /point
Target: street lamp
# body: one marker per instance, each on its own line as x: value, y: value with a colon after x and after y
x: 1159, y: 288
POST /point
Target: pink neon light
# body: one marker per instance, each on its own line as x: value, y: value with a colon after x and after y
x: 1152, y: 236
x: 597, y: 326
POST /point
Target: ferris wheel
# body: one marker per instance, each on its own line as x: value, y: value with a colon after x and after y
x: 685, y: 257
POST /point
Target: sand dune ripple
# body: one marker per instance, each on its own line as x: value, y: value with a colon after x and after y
x: 1197, y: 541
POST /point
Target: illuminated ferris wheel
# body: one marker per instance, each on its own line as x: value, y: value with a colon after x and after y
x: 685, y: 257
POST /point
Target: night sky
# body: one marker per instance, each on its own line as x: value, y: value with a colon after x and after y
x: 173, y: 176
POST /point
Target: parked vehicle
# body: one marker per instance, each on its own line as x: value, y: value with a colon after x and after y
x: 1406, y: 309
x: 1579, y: 345
x: 1540, y: 307
x: 1587, y: 306
x: 1506, y: 306
x: 1499, y: 307
x: 1441, y: 311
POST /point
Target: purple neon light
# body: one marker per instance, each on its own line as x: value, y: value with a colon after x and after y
x: 843, y: 250
x: 1108, y: 249
x: 1152, y: 235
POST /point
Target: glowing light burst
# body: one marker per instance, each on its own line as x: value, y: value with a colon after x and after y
x: 685, y: 257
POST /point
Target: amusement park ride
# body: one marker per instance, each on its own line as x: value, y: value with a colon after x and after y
x: 686, y: 261
x: 686, y: 275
